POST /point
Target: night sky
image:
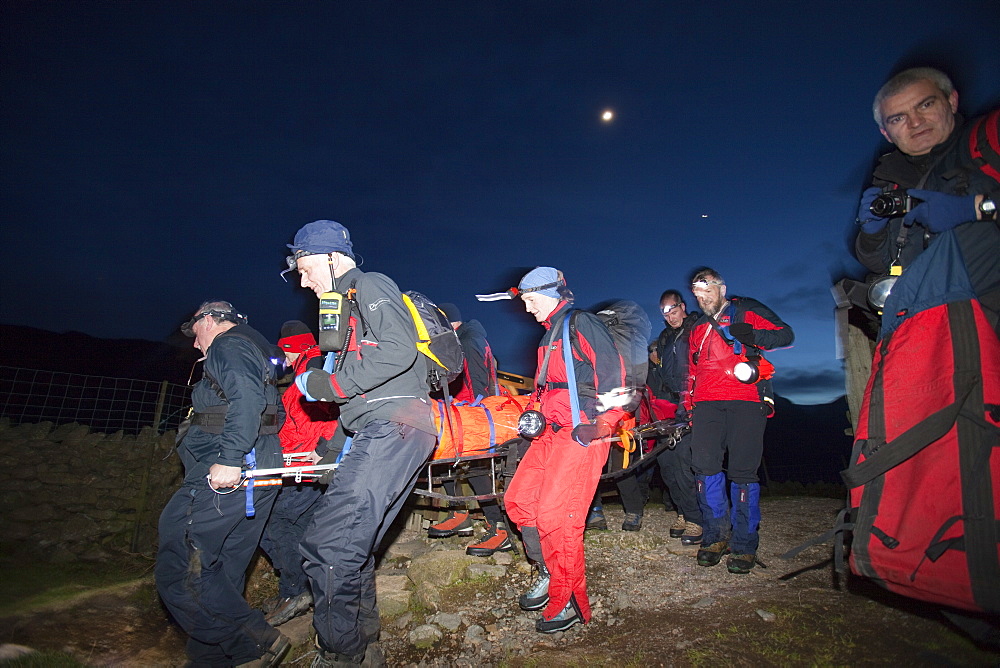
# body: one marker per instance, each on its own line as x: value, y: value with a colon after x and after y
x: 157, y: 154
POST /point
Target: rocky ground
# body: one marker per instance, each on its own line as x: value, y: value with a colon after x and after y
x: 653, y: 605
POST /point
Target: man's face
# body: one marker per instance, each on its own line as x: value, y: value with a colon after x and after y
x: 919, y: 117
x: 710, y: 294
x: 673, y: 312
x: 315, y: 273
x: 205, y: 331
x: 539, y: 305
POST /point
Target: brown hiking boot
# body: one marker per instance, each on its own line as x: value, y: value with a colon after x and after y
x: 456, y: 524
x: 691, y: 535
x: 712, y: 555
x: 677, y: 528
x: 495, y: 540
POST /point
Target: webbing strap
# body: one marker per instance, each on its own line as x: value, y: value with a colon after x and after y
x: 251, y: 461
x: 574, y: 399
x: 344, y: 450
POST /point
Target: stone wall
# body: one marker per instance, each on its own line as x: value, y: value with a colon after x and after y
x: 71, y: 494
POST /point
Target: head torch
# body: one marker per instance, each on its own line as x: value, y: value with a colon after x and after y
x: 293, y: 262
x: 222, y: 316
x: 878, y: 291
x: 531, y: 424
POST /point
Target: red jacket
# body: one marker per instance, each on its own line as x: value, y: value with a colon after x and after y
x: 305, y: 421
x: 711, y: 359
x: 599, y: 371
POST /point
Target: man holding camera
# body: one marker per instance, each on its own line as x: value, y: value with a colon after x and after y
x: 729, y: 413
x: 943, y: 174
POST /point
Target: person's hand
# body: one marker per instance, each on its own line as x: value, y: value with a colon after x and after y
x: 311, y: 457
x: 743, y: 333
x: 939, y: 212
x: 585, y: 433
x: 868, y: 221
x: 315, y: 385
x: 220, y: 476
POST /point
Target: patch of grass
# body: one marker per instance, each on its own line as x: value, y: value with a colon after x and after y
x: 44, y: 660
x: 31, y: 583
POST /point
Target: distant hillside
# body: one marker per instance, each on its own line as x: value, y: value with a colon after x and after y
x: 74, y: 352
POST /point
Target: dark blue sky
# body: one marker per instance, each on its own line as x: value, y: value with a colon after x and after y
x: 155, y: 154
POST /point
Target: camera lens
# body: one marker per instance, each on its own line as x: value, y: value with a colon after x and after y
x: 888, y: 205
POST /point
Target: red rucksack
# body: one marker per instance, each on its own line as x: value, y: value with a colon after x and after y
x: 924, y: 476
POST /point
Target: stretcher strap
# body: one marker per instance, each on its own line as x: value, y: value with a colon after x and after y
x: 251, y: 461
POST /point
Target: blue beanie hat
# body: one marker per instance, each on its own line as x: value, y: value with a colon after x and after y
x: 549, y: 277
x: 322, y: 236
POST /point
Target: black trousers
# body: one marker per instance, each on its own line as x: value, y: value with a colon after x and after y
x: 206, y: 543
x: 367, y: 492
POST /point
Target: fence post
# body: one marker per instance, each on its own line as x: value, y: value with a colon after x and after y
x: 159, y: 406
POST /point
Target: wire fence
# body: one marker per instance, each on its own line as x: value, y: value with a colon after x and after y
x: 102, y: 403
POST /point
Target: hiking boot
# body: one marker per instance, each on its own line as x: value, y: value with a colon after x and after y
x: 290, y: 608
x: 712, y: 555
x: 741, y: 564
x: 374, y: 656
x: 677, y: 528
x: 691, y: 535
x: 495, y: 540
x: 596, y: 519
x: 537, y: 596
x: 569, y: 616
x: 272, y: 656
x: 456, y: 524
x: 327, y: 659
x: 633, y: 522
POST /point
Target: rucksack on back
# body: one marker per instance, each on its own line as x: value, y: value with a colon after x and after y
x: 436, y: 340
x: 630, y: 329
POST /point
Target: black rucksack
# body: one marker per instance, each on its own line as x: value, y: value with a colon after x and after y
x: 436, y: 339
x: 630, y: 330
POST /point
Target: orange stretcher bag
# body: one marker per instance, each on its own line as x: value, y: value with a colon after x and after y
x: 476, y: 428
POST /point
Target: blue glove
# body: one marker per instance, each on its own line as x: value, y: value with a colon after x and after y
x: 315, y: 385
x: 866, y: 219
x: 939, y: 212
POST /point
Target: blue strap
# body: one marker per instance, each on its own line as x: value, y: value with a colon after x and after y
x: 737, y: 345
x: 251, y: 461
x: 574, y: 399
x: 493, y: 433
x: 478, y: 401
x: 441, y: 417
x: 330, y: 362
x: 344, y: 450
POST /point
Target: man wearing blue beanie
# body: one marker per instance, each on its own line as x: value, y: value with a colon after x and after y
x: 380, y: 385
x: 551, y: 491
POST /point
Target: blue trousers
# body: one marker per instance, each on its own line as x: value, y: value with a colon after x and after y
x: 206, y: 543
x: 367, y: 492
x: 292, y: 513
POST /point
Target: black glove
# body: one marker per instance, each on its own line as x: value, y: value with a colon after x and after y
x: 743, y: 333
x: 315, y: 385
x: 585, y: 433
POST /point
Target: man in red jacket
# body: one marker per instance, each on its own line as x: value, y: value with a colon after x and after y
x: 551, y: 491
x: 729, y: 416
x: 307, y: 424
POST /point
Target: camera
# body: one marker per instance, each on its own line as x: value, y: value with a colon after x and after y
x: 891, y: 204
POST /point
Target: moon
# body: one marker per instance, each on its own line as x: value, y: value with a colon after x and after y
x: 607, y: 115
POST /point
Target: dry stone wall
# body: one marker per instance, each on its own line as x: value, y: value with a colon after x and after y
x: 72, y: 494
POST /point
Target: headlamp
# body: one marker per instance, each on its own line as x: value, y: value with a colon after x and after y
x: 292, y: 262
x: 531, y: 424
x: 231, y: 316
x: 670, y: 307
x: 878, y: 291
x: 703, y: 285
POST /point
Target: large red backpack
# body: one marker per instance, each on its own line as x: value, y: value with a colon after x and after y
x: 924, y: 477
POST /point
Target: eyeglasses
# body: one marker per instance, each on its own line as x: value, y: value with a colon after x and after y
x: 670, y: 307
x: 703, y: 285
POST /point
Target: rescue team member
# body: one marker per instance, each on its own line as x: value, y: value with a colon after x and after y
x: 668, y: 376
x: 206, y: 536
x: 306, y: 425
x: 917, y: 111
x: 551, y: 491
x: 478, y: 379
x: 728, y: 417
x: 381, y: 387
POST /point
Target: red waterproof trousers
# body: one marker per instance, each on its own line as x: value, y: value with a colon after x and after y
x: 551, y: 491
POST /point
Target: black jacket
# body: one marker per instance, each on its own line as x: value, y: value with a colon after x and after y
x: 668, y: 379
x: 238, y: 374
x: 948, y: 168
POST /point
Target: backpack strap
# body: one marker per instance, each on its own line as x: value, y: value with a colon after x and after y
x: 574, y: 398
x: 984, y: 144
